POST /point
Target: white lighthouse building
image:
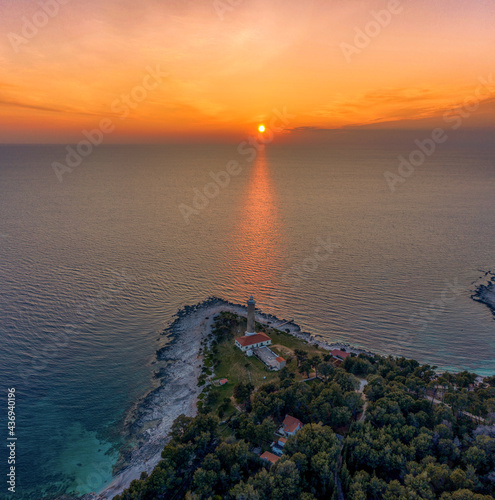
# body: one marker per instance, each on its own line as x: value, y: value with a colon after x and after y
x: 250, y: 317
x: 251, y: 339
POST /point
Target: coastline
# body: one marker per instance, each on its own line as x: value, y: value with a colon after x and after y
x: 178, y: 390
x: 485, y: 294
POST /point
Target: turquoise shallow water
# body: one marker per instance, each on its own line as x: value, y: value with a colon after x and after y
x: 93, y: 269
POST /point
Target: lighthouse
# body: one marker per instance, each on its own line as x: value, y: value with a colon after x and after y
x: 250, y: 317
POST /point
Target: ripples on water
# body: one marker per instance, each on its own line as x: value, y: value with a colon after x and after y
x: 108, y: 252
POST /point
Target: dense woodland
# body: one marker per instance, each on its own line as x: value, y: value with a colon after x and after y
x: 400, y: 444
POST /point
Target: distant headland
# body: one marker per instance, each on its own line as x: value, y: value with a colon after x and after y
x: 486, y: 293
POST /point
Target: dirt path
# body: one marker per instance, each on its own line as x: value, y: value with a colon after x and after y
x: 465, y: 413
x: 362, y: 385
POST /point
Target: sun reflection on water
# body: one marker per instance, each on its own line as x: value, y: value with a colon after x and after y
x: 257, y: 234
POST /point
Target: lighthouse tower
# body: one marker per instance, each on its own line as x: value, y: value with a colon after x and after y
x: 250, y: 317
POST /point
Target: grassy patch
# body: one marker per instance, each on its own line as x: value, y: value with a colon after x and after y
x: 287, y: 340
x: 238, y: 368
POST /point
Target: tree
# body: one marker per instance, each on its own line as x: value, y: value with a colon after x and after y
x: 305, y: 367
x: 311, y: 439
x: 285, y: 375
x: 423, y: 445
x: 266, y: 430
x: 300, y: 356
x: 459, y: 480
x: 347, y: 381
x: 286, y: 480
x: 322, y: 474
x: 340, y: 417
x: 376, y: 388
x: 433, y: 387
x: 315, y: 361
x: 416, y: 386
x: 315, y: 451
x: 464, y: 379
x: 179, y: 426
x: 205, y: 479
x: 242, y: 392
x: 354, y: 402
x: 326, y: 370
x: 359, y: 365
x: 245, y: 491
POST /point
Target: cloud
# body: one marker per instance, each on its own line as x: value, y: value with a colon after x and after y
x: 37, y: 107
x: 393, y: 105
x: 311, y: 128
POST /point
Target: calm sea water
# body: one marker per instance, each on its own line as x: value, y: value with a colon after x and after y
x: 93, y: 268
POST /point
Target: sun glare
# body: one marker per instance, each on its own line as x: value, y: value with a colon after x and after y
x: 261, y: 128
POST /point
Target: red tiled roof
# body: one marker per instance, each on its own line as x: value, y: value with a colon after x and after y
x: 291, y: 423
x: 280, y: 359
x: 252, y: 339
x: 341, y: 354
x: 282, y: 440
x: 269, y: 456
x: 224, y: 381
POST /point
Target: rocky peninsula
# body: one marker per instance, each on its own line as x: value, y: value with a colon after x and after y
x: 150, y: 422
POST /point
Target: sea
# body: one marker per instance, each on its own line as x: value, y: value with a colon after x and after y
x: 95, y: 262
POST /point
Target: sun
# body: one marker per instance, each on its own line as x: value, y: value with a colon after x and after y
x: 261, y: 128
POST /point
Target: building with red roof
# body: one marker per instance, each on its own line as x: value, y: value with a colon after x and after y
x: 269, y: 457
x: 290, y: 425
x: 248, y: 342
x: 342, y: 355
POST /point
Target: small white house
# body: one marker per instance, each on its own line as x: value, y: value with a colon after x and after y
x: 278, y: 446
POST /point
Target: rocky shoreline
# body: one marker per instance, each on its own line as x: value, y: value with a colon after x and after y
x: 485, y: 294
x: 150, y: 422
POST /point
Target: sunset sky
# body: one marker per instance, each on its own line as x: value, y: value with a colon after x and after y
x: 225, y: 67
